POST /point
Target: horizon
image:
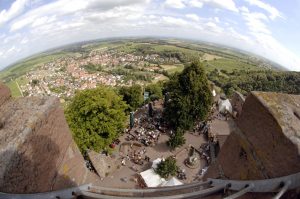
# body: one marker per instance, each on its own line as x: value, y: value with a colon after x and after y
x: 30, y: 27
x: 109, y: 39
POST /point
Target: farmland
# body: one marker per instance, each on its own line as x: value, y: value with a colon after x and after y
x: 62, y: 71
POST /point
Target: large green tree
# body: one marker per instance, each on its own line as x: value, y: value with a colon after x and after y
x: 96, y: 117
x: 189, y: 95
x: 132, y: 96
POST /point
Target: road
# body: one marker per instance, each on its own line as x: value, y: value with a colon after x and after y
x: 19, y: 88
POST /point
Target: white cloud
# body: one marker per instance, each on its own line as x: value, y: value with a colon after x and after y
x: 273, y: 49
x: 179, y: 4
x: 213, y: 28
x: 244, y: 9
x: 58, y: 23
x: 2, y: 36
x: 24, y: 40
x: 43, y: 20
x: 193, y: 17
x: 256, y: 22
x: 222, y: 4
x: 16, y: 9
x: 195, y: 3
x: 273, y: 12
x: 262, y: 42
x: 65, y: 8
x: 240, y: 37
x: 13, y: 48
x: 11, y: 38
x: 217, y: 19
x: 61, y: 8
x: 174, y: 21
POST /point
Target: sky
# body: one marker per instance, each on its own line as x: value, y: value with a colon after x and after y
x: 269, y: 28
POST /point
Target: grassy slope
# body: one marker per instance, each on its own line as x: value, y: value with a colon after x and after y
x: 15, y: 92
x: 230, y: 65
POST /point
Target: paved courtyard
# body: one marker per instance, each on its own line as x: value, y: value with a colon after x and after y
x: 124, y: 176
x: 135, y: 154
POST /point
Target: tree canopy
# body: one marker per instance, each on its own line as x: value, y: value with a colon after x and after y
x: 132, y: 96
x: 167, y: 167
x: 96, y: 117
x: 264, y: 80
x: 189, y: 95
x: 155, y: 91
x: 177, y: 139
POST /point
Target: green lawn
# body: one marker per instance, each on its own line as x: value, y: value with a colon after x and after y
x: 173, y: 68
x: 15, y: 92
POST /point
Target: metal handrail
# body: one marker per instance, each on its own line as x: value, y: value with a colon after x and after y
x: 196, y: 194
x: 241, y: 192
x: 266, y: 185
x: 150, y: 190
x: 280, y: 185
x: 59, y: 194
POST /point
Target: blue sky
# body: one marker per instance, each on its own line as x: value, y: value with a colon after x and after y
x: 264, y: 27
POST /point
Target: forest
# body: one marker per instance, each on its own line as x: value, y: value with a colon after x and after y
x: 264, y: 80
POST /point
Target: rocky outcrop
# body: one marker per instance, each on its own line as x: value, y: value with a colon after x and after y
x: 4, y: 94
x: 237, y: 101
x: 265, y: 144
x: 37, y: 152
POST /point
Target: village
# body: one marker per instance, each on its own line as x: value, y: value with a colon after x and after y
x: 63, y: 76
x: 136, y: 154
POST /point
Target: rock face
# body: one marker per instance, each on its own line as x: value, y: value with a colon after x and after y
x: 266, y: 143
x: 37, y: 152
x: 237, y: 102
x: 4, y: 94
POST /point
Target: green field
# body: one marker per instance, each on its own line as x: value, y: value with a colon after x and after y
x: 230, y: 65
x: 15, y: 92
x: 173, y: 68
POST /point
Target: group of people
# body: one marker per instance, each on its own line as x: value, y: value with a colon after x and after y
x: 181, y: 175
x: 148, y: 138
x: 137, y: 157
x: 204, y: 152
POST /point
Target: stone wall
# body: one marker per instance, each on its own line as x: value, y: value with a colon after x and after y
x: 4, y: 94
x: 266, y: 143
x: 37, y: 152
x: 237, y: 102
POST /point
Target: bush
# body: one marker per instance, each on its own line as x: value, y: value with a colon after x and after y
x: 167, y: 168
x: 177, y: 139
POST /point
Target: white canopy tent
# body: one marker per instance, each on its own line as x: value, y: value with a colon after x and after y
x: 225, y: 106
x: 172, y: 182
x: 151, y: 178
